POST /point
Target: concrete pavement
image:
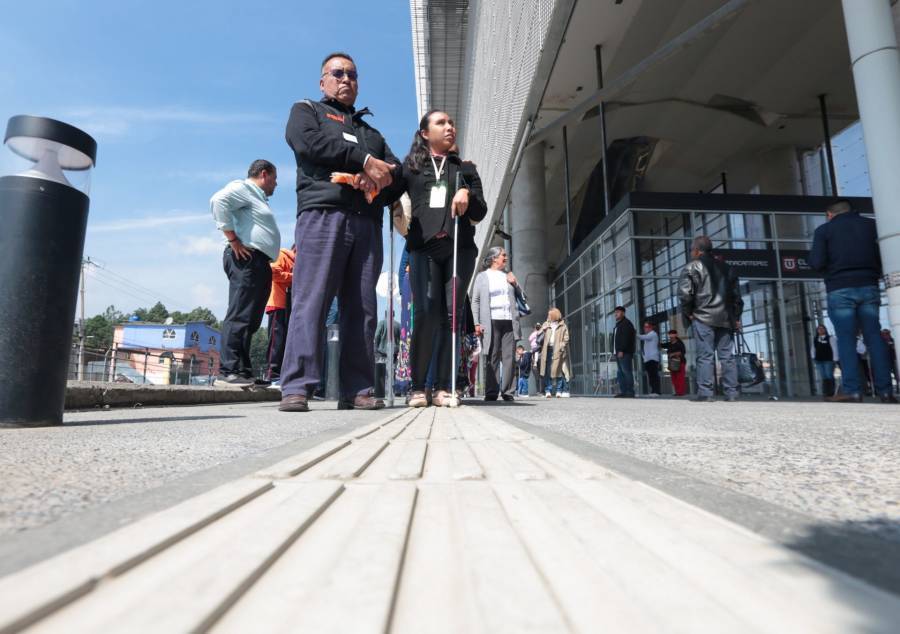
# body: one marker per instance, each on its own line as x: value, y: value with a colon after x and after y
x: 706, y: 457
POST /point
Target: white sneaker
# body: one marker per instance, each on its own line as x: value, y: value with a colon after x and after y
x: 523, y: 396
x: 564, y: 395
x: 559, y: 395
x: 548, y: 395
x: 652, y: 395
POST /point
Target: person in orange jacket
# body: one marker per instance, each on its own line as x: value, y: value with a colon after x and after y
x: 278, y: 309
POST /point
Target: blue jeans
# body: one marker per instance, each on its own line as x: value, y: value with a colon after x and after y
x: 712, y: 341
x: 523, y: 385
x: 826, y: 370
x: 625, y: 373
x: 852, y: 310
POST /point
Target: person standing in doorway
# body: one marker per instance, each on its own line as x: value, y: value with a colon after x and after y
x: 497, y: 322
x: 278, y: 309
x: 711, y: 302
x: 650, y: 352
x: 825, y: 355
x: 241, y: 211
x: 677, y: 362
x: 845, y: 249
x: 338, y: 231
x: 624, y: 346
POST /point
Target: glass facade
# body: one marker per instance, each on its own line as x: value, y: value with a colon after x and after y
x: 634, y: 259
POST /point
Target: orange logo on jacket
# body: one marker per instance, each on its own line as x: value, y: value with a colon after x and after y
x: 335, y: 117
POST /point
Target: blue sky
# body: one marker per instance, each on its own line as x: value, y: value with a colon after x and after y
x: 181, y: 97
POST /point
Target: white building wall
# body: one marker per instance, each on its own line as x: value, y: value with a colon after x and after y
x: 506, y: 38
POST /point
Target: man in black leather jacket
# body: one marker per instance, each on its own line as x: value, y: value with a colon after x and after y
x: 338, y: 237
x: 711, y: 301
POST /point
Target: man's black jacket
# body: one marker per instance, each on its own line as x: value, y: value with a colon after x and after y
x: 427, y: 222
x: 321, y: 134
x: 845, y: 249
x: 624, y: 337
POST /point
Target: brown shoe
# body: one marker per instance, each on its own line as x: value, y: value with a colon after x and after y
x: 845, y: 398
x: 294, y: 403
x: 362, y: 402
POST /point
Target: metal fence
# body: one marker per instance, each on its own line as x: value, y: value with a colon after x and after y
x: 138, y: 366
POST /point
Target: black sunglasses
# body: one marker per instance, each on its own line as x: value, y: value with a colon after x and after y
x: 338, y: 73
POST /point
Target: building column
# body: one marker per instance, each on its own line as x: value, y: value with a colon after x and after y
x: 529, y: 236
x: 876, y: 74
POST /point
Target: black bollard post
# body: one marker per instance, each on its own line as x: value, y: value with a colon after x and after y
x: 44, y: 218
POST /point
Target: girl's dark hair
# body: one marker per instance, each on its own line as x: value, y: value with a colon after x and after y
x: 419, y: 151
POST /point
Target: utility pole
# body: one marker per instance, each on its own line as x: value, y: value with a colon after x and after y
x: 80, y: 374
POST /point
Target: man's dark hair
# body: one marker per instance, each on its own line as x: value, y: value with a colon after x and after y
x: 622, y: 308
x: 331, y: 56
x: 259, y: 166
x: 673, y: 332
x: 839, y: 207
x: 702, y: 244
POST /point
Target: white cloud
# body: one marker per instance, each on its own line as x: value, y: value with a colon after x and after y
x: 118, y: 120
x: 205, y: 295
x: 201, y: 245
x: 148, y: 222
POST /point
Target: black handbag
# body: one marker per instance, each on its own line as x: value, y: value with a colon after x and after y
x: 521, y: 301
x: 750, y: 369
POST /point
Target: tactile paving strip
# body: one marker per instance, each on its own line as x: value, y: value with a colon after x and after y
x: 437, y: 521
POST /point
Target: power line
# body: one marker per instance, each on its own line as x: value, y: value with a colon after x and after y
x: 149, y: 291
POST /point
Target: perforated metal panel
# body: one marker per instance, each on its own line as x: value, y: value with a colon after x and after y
x: 478, y: 59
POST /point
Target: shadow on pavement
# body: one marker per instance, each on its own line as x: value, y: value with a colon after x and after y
x: 866, y: 549
x: 155, y: 419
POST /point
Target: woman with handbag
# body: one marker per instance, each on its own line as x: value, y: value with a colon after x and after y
x: 496, y: 315
x: 555, y: 355
x: 677, y: 362
x: 443, y: 191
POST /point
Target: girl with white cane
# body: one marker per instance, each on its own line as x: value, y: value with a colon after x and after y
x: 447, y: 202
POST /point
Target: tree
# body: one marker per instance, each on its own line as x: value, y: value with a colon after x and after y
x: 99, y: 329
x: 259, y: 349
x: 157, y: 314
x: 205, y: 315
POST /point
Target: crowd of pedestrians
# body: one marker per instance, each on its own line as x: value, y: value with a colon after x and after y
x: 347, y: 175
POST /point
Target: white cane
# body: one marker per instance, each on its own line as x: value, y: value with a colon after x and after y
x: 454, y: 399
x: 390, y: 319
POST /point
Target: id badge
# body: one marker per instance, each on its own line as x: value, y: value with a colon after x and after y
x: 438, y: 196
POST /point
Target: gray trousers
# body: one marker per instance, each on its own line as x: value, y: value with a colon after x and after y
x: 338, y: 253
x: 711, y: 341
x: 503, y: 350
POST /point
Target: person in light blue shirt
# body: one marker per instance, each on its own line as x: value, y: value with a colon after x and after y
x: 241, y: 211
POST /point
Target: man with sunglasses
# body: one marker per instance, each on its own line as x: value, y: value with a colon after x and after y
x: 338, y: 237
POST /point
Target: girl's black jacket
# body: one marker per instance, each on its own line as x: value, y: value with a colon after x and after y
x: 427, y: 222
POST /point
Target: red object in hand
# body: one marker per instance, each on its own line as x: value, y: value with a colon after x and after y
x: 345, y: 178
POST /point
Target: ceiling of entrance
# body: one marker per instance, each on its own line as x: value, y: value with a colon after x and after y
x: 747, y: 86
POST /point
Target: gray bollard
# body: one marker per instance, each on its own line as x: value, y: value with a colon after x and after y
x: 333, y: 350
x: 44, y: 218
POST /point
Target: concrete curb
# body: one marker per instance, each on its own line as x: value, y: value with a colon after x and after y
x: 83, y: 395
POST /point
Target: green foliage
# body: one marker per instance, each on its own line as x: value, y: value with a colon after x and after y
x: 155, y: 315
x: 259, y: 348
